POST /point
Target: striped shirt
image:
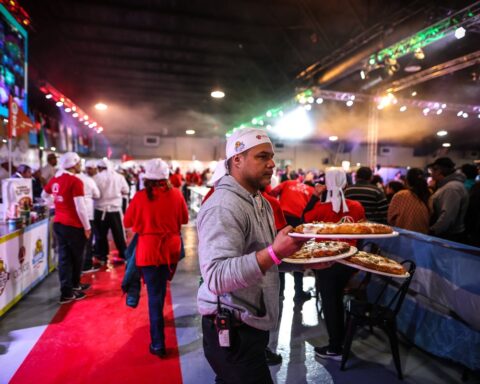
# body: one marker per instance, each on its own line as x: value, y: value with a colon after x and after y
x: 372, y: 198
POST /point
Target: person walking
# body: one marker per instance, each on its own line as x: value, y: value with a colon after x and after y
x: 239, y: 251
x: 108, y: 211
x: 156, y: 214
x: 70, y: 226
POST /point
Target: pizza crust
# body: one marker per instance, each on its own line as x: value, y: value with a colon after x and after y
x: 377, y: 263
x: 343, y: 228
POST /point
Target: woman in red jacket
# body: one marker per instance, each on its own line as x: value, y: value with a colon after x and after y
x: 156, y: 214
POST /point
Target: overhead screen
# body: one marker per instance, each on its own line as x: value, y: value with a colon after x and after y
x: 13, y: 62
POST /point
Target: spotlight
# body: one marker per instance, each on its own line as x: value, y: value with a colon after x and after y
x: 307, y: 107
x: 414, y: 93
x: 446, y: 145
x: 439, y: 112
x: 460, y: 32
x: 460, y: 113
x: 190, y: 132
x: 333, y: 138
x: 442, y: 133
x: 419, y: 54
x: 363, y: 74
x: 101, y: 106
x: 218, y: 94
x: 68, y: 110
x: 75, y: 114
x: 403, y: 108
x: 58, y: 103
x: 310, y: 100
x: 425, y: 111
x: 48, y: 96
x: 465, y: 115
x: 349, y: 103
x: 319, y: 100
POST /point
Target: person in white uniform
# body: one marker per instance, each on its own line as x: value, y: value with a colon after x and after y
x: 50, y: 169
x: 91, y: 192
x: 108, y: 211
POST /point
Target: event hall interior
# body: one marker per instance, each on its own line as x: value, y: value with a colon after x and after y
x: 347, y: 94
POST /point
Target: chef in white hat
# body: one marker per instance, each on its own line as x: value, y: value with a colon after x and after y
x: 70, y: 225
x: 239, y: 251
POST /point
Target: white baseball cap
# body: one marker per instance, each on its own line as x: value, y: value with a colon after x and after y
x: 91, y: 164
x: 244, y: 139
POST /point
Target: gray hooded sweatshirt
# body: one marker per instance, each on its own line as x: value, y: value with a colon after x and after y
x: 232, y: 226
x: 449, y: 205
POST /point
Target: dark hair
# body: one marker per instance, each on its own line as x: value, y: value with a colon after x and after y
x: 150, y: 184
x: 417, y: 184
x: 395, y: 186
x: 376, y: 179
x: 364, y: 173
x: 470, y: 171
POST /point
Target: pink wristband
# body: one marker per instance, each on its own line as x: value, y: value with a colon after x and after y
x: 274, y: 257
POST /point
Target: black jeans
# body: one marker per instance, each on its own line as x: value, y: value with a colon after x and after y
x: 70, y: 245
x: 244, y: 361
x: 332, y: 282
x: 156, y: 280
x: 111, y: 221
x: 87, y: 254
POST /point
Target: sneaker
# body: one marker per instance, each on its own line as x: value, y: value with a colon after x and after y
x: 79, y: 295
x: 272, y: 357
x: 66, y: 299
x: 327, y: 353
x: 93, y: 268
x: 303, y: 296
x: 82, y: 287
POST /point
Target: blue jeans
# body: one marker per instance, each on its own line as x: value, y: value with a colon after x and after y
x: 156, y: 279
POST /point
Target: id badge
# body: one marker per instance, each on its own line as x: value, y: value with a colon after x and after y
x: 224, y: 337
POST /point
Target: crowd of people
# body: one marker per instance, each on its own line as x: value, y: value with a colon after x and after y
x: 243, y: 227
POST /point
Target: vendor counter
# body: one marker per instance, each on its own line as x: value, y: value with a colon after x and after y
x: 441, y: 313
x: 25, y: 260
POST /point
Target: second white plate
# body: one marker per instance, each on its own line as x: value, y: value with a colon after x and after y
x: 315, y: 260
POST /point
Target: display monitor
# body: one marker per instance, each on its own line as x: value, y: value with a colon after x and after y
x: 13, y: 62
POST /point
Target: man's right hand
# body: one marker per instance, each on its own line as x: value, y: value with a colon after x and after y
x: 285, y: 245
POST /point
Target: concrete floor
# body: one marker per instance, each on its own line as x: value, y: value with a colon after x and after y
x: 300, y: 330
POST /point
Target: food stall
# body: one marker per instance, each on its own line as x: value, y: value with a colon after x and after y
x: 24, y: 260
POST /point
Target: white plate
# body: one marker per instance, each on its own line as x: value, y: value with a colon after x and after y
x: 342, y: 236
x: 362, y: 268
x: 315, y: 260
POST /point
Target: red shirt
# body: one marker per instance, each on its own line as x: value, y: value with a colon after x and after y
x: 294, y: 196
x: 278, y: 215
x: 158, y: 224
x: 324, y: 212
x: 64, y: 189
x: 176, y: 180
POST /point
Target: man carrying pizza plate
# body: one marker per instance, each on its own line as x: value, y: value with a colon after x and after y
x: 239, y: 253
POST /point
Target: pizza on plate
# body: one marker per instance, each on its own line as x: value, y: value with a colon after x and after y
x: 313, y: 249
x: 363, y: 228
x: 377, y: 263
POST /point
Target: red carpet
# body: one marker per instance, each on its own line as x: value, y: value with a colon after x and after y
x: 101, y: 340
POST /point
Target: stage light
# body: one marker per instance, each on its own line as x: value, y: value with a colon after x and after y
x: 446, y: 145
x: 48, y: 96
x: 53, y: 149
x: 403, y: 108
x: 460, y: 113
x: 75, y: 114
x: 363, y: 75
x: 426, y: 111
x: 86, y: 122
x: 68, y: 110
x: 349, y: 103
x: 442, y: 133
x: 217, y: 94
x: 465, y: 115
x: 333, y: 138
x: 58, y: 103
x: 439, y: 112
x: 460, y: 32
x: 269, y: 114
x: 307, y: 107
x: 419, y: 54
x: 101, y: 107
x: 319, y: 100
x: 444, y: 106
x: 294, y: 125
x: 414, y: 93
x: 311, y: 100
x: 190, y: 132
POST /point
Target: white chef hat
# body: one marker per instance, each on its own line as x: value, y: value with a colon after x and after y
x: 240, y: 141
x: 156, y: 169
x: 335, y: 181
x: 69, y: 159
x: 91, y: 164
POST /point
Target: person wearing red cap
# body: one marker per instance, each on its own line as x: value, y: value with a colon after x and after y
x: 71, y: 226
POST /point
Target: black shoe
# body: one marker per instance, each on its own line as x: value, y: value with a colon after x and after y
x: 160, y: 352
x: 66, y: 299
x: 79, y: 295
x: 272, y: 357
x: 327, y: 353
x: 93, y: 268
x: 303, y: 296
x: 82, y: 287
